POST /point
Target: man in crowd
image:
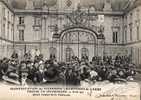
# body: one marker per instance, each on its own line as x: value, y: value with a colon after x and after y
x: 47, y: 72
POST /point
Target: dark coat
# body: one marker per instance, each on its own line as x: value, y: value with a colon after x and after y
x: 32, y: 74
x: 39, y: 76
x: 71, y: 79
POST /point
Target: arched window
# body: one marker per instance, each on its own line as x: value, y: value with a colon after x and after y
x: 69, y: 54
x: 53, y: 53
x: 84, y: 53
x: 115, y: 37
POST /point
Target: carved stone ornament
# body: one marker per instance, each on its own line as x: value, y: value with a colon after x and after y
x: 78, y: 17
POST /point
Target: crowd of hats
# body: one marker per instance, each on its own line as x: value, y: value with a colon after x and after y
x: 45, y: 72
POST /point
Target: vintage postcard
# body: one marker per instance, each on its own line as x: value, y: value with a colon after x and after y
x: 70, y: 49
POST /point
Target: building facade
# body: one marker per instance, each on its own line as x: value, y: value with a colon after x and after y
x: 6, y: 29
x: 67, y: 28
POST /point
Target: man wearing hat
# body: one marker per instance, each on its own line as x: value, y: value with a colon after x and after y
x: 39, y: 77
x: 71, y: 77
x: 113, y: 75
x: 121, y: 76
x: 4, y: 66
x: 84, y: 74
x: 11, y: 76
x: 102, y: 73
x: 1, y: 70
x: 93, y: 75
x: 14, y: 55
x: 32, y: 69
x: 24, y: 78
x: 62, y: 75
x: 51, y: 74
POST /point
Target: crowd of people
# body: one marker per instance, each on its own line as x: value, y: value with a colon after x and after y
x: 49, y: 72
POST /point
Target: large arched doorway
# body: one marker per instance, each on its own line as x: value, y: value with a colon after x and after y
x: 80, y: 41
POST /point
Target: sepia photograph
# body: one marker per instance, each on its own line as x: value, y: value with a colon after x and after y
x: 73, y: 44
